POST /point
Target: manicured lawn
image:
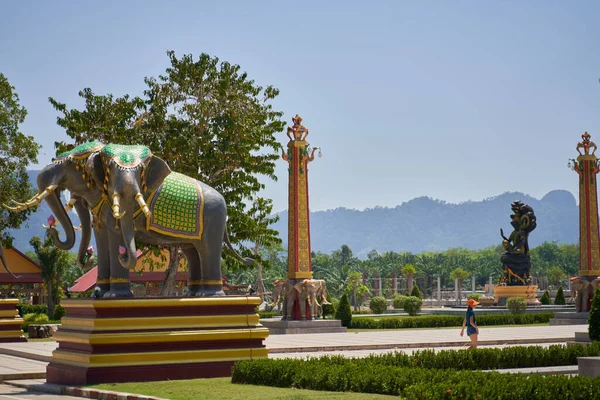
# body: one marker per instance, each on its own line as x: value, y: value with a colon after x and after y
x: 222, y: 388
x: 449, y: 327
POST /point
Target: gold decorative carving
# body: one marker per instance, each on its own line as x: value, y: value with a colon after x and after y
x: 102, y: 281
x: 118, y: 280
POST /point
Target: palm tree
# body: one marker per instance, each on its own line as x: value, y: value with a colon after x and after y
x: 355, y: 279
x: 460, y: 275
x: 409, y: 271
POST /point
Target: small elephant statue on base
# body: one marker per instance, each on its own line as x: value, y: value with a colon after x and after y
x: 278, y: 295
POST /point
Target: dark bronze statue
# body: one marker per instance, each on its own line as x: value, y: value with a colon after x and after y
x: 516, y: 259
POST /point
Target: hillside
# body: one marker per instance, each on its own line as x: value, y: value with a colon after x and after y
x: 424, y: 224
x: 417, y: 225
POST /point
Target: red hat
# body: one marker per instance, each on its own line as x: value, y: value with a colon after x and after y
x: 472, y: 302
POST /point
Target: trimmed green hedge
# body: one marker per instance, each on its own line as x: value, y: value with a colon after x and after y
x: 26, y: 308
x: 439, y: 321
x: 267, y: 314
x: 389, y: 375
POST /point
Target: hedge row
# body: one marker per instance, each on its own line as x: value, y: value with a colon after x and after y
x: 26, y: 308
x: 437, y: 321
x: 411, y: 383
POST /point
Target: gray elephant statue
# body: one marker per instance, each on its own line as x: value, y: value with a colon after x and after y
x: 278, y: 294
x: 159, y: 207
x: 584, y: 292
x: 291, y: 297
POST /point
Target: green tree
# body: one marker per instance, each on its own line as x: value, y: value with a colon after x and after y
x: 545, y: 299
x: 409, y: 271
x: 343, y: 311
x: 17, y: 151
x: 54, y: 262
x: 594, y: 318
x: 460, y: 275
x: 560, y: 300
x: 354, y: 285
x: 416, y: 292
x: 207, y: 120
x: 556, y: 275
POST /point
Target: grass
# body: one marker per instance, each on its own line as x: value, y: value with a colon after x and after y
x: 450, y: 327
x: 222, y: 388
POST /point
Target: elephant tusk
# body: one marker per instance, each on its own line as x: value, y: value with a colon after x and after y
x: 116, y: 207
x: 9, y: 208
x: 78, y: 228
x: 34, y: 201
x: 70, y: 205
x: 140, y: 199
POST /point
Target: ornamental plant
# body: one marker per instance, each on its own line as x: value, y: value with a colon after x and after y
x: 545, y: 299
x: 412, y: 305
x: 516, y: 305
x: 343, y: 311
x: 416, y: 292
x: 398, y: 302
x: 560, y: 300
x: 378, y: 304
x: 594, y: 318
x: 474, y: 296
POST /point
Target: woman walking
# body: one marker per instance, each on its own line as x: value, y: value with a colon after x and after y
x: 471, y: 324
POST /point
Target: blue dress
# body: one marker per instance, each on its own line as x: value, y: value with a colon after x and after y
x: 470, y: 329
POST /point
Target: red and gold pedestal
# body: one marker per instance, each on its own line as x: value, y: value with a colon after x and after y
x: 527, y: 292
x: 10, y: 322
x: 587, y: 167
x: 152, y: 339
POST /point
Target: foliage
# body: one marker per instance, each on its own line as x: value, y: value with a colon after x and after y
x: 59, y: 312
x: 516, y: 305
x: 267, y: 314
x: 412, y: 305
x: 398, y: 302
x: 328, y: 309
x: 26, y: 308
x: 29, y: 319
x: 545, y: 298
x: 207, y: 120
x: 409, y: 270
x: 430, y: 375
x: 17, y: 151
x: 440, y: 321
x: 355, y: 287
x: 343, y: 311
x: 594, y: 318
x: 416, y: 292
x: 378, y: 304
x: 53, y: 262
x: 474, y: 296
x: 556, y: 275
x: 560, y: 300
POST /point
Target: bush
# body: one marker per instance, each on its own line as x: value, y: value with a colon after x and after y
x: 545, y: 299
x: 33, y: 318
x: 428, y: 374
x: 516, y: 305
x: 416, y: 292
x: 378, y: 304
x: 261, y: 314
x: 359, y: 312
x: 59, y: 312
x: 328, y: 309
x: 594, y: 318
x: 560, y: 300
x: 412, y: 305
x: 439, y: 321
x: 398, y: 302
x: 474, y: 296
x: 26, y: 308
x: 343, y: 311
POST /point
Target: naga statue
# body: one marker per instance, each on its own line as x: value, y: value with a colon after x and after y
x: 516, y: 259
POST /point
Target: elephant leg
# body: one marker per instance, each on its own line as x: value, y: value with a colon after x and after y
x: 119, y: 276
x: 102, y: 251
x: 194, y: 272
x: 210, y: 258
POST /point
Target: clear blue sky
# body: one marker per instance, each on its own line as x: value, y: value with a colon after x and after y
x: 457, y: 100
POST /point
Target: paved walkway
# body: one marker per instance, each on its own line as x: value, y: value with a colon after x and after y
x: 27, y: 361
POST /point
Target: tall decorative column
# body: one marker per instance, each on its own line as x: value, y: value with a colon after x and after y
x: 299, y: 154
x: 587, y: 167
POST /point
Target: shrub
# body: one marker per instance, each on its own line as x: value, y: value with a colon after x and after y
x: 26, y: 308
x: 328, y: 309
x: 516, y: 305
x: 594, y: 318
x: 412, y: 305
x: 378, y: 304
x: 474, y: 296
x: 560, y: 300
x: 343, y: 311
x: 416, y: 292
x: 261, y: 314
x: 33, y: 318
x: 59, y: 312
x: 398, y: 302
x: 545, y: 299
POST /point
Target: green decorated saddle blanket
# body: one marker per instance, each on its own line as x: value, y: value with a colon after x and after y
x: 126, y: 156
x: 177, y: 207
x: 81, y: 152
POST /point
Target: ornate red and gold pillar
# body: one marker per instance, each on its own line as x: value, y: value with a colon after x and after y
x: 586, y: 166
x: 299, y: 259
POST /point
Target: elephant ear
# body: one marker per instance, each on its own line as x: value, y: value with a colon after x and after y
x: 95, y: 169
x: 154, y: 175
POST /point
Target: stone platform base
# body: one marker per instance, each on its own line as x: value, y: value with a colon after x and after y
x: 154, y: 339
x: 588, y: 366
x: 569, y: 318
x: 529, y: 293
x: 10, y: 322
x: 278, y: 327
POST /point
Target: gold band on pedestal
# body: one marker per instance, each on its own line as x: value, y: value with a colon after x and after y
x: 119, y: 280
x: 205, y: 282
x: 102, y: 281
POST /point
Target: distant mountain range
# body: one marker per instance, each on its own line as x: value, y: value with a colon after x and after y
x: 421, y: 224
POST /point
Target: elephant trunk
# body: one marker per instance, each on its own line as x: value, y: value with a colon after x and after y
x: 128, y: 253
x: 3, y: 259
x: 57, y: 208
x: 86, y: 232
